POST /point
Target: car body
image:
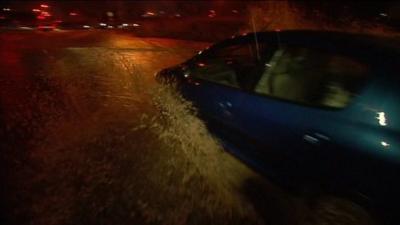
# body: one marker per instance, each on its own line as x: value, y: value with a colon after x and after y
x: 304, y: 106
x: 81, y: 25
x: 50, y: 26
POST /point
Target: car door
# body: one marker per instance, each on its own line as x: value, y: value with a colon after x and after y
x: 297, y: 105
x: 217, y: 80
x: 269, y: 121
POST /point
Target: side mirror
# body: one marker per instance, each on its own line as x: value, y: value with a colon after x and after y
x: 174, y: 74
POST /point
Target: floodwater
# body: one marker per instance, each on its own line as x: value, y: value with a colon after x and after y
x: 88, y: 137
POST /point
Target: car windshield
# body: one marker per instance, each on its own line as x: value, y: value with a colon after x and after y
x: 193, y: 112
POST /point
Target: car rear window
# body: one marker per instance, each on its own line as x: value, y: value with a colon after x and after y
x: 313, y: 77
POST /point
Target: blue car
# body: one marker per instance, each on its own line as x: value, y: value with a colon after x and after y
x: 304, y: 107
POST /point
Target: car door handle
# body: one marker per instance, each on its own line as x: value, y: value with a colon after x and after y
x: 315, y: 138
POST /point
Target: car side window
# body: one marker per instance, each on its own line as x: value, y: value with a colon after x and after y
x: 313, y: 77
x: 215, y: 70
x: 236, y: 65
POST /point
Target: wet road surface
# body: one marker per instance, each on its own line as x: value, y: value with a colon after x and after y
x: 88, y: 137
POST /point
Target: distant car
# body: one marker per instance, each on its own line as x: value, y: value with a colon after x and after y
x: 74, y: 25
x: 46, y: 27
x: 304, y: 107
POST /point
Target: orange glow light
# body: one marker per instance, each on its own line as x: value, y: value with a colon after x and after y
x: 45, y: 14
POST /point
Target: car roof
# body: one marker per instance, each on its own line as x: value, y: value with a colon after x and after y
x: 332, y: 36
x: 371, y: 47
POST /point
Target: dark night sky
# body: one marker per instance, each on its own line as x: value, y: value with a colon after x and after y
x: 94, y: 9
x: 125, y: 9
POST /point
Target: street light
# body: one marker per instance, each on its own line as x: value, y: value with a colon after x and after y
x: 44, y: 6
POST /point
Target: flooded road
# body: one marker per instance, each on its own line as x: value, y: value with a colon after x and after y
x: 88, y: 137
